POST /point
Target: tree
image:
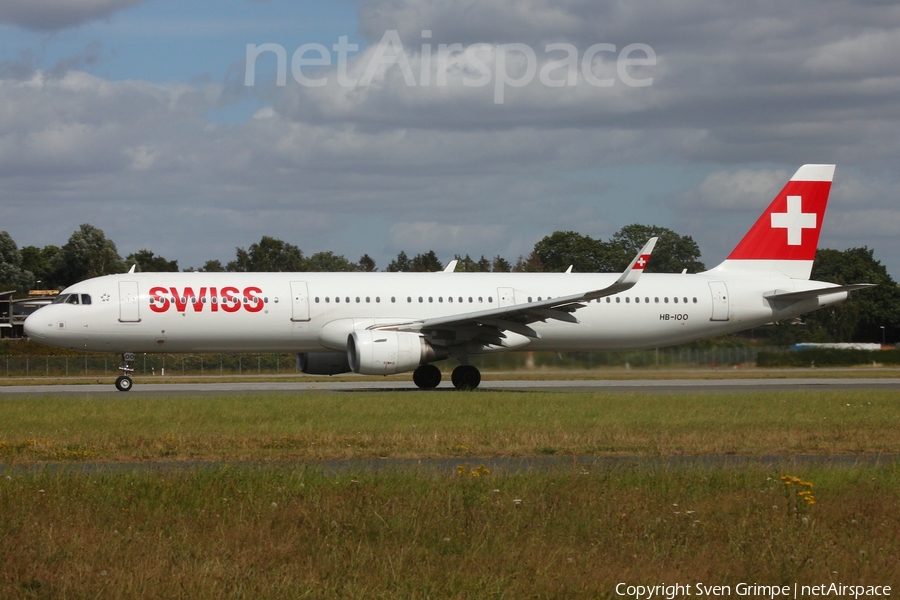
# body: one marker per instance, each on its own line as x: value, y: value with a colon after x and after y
x: 12, y: 275
x: 562, y: 249
x: 269, y: 255
x: 673, y: 252
x: 213, y: 266
x: 528, y: 264
x: 500, y: 265
x: 465, y: 265
x: 40, y: 262
x: 401, y: 264
x: 329, y: 262
x: 861, y: 316
x: 366, y: 264
x: 426, y: 263
x: 146, y: 262
x: 87, y: 254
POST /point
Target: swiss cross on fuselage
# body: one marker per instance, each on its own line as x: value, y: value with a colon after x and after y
x: 794, y: 220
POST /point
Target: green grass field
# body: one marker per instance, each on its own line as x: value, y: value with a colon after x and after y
x: 289, y: 528
x: 479, y: 424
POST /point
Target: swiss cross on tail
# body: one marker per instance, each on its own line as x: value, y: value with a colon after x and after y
x: 641, y: 262
x: 789, y: 229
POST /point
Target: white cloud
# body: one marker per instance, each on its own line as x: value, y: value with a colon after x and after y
x: 58, y: 14
x: 742, y: 189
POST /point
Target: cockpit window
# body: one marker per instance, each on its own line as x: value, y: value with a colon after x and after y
x: 72, y: 299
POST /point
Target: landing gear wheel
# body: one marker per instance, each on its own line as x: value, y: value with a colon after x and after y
x: 466, y: 377
x: 427, y: 377
x: 124, y: 383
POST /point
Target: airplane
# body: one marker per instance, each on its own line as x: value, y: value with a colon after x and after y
x: 387, y: 323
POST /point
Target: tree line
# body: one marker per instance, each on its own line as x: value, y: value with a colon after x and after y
x: 89, y: 253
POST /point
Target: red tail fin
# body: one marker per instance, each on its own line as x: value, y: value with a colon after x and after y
x: 786, y: 236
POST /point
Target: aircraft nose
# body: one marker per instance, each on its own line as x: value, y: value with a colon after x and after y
x: 31, y: 328
x: 38, y: 324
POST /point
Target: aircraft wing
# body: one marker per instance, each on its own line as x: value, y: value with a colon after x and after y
x: 489, y: 325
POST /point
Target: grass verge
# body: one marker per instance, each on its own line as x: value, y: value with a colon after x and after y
x: 227, y: 532
x: 410, y: 424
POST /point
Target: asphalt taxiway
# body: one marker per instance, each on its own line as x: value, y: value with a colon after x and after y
x: 655, y: 386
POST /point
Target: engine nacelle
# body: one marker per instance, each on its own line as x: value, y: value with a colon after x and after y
x: 323, y: 363
x: 373, y: 352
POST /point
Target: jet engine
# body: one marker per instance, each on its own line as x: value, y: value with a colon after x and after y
x: 374, y: 352
x: 323, y: 363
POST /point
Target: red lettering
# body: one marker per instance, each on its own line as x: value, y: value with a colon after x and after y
x: 255, y: 303
x: 230, y: 303
x: 180, y: 301
x: 158, y: 302
x: 228, y: 299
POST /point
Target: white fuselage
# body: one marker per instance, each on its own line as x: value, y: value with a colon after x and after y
x: 315, y: 312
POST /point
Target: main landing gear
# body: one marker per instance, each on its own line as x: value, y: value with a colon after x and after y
x: 124, y: 383
x: 464, y: 377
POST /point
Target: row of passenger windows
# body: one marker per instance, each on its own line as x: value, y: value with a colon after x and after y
x: 490, y: 299
x: 646, y: 300
x: 204, y: 300
x: 409, y: 299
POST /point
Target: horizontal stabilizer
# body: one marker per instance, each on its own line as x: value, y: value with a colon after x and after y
x: 805, y: 294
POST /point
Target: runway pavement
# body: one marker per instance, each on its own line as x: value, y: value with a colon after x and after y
x: 680, y: 386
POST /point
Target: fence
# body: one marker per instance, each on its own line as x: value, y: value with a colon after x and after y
x: 273, y: 364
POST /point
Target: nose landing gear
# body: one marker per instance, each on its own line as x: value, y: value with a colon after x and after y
x: 123, y: 382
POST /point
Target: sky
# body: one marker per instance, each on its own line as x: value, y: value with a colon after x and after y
x: 461, y: 127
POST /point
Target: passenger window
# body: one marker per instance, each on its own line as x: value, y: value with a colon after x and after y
x: 450, y: 299
x: 430, y: 299
x: 441, y: 299
x: 618, y: 300
x: 675, y: 299
x: 647, y: 300
x: 480, y: 299
x: 337, y: 299
x: 85, y: 299
x: 347, y: 299
x: 656, y: 299
x: 409, y: 298
x: 666, y: 300
x: 685, y: 300
x: 627, y: 300
x: 357, y: 299
x: 470, y: 299
x: 608, y: 300
x: 421, y: 300
x: 637, y: 300
x: 317, y: 299
x: 695, y: 300
x: 460, y: 299
x: 490, y: 299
